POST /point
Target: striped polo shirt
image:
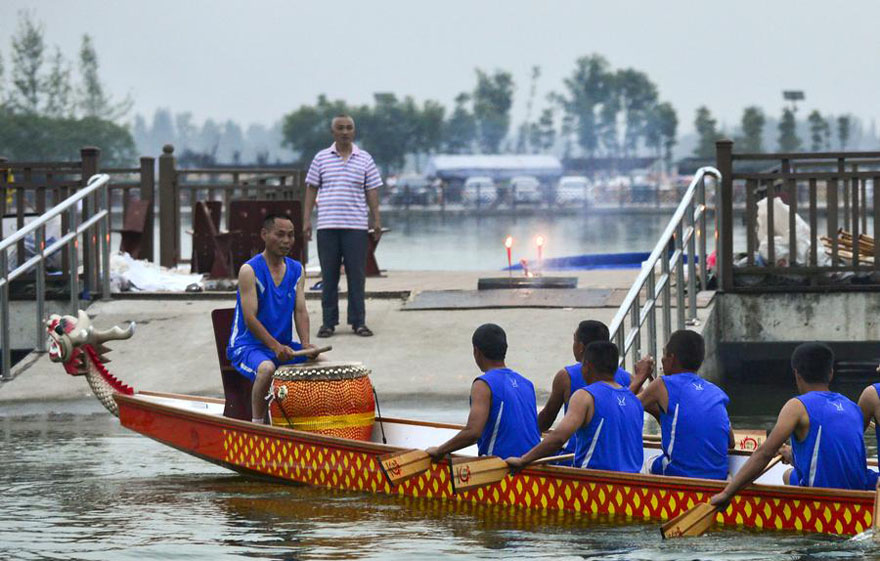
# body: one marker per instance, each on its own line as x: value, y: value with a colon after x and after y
x: 342, y: 187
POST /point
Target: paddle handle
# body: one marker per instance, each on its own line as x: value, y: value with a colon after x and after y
x: 550, y: 459
x: 316, y: 352
x: 776, y: 459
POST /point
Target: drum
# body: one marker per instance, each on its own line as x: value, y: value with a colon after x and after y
x: 335, y: 399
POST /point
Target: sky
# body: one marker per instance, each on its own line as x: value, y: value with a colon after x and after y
x: 254, y: 61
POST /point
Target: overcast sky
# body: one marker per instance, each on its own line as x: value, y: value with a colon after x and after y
x: 253, y: 61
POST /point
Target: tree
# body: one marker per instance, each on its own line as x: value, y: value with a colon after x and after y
x: 588, y: 87
x: 460, y: 131
x: 661, y: 128
x: 307, y: 130
x: 37, y: 137
x: 186, y: 130
x: 93, y: 101
x: 386, y: 130
x: 788, y: 138
x: 27, y: 61
x: 524, y: 135
x: 542, y: 135
x: 59, y: 102
x: 706, y: 133
x: 493, y: 97
x: 818, y: 126
x: 843, y: 130
x: 636, y: 95
x: 752, y: 124
x: 2, y: 94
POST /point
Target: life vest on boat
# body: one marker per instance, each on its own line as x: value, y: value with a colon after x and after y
x: 576, y: 382
x: 833, y: 453
x: 695, y: 429
x: 275, y: 305
x: 612, y: 439
x: 512, y: 426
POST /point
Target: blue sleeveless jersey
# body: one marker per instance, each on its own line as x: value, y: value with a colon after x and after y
x: 576, y: 382
x: 275, y: 305
x: 612, y: 439
x: 695, y: 428
x: 877, y: 428
x: 512, y: 427
x: 833, y: 454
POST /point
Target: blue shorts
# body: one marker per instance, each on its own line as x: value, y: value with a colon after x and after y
x: 249, y: 358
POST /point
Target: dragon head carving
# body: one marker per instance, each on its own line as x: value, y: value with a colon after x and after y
x: 75, y: 343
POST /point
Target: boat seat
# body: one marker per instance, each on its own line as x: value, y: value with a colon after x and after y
x: 236, y: 387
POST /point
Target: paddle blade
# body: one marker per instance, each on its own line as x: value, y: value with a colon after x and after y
x: 470, y: 473
x: 875, y: 521
x: 400, y: 466
x: 693, y: 522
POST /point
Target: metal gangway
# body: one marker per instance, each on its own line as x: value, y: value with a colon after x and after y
x: 95, y: 233
x: 687, y: 231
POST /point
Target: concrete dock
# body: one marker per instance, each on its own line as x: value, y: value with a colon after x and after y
x: 423, y: 352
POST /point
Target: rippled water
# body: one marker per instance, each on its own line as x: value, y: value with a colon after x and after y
x: 75, y: 485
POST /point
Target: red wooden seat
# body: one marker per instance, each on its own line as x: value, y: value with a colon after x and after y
x: 236, y: 387
x: 134, y: 222
x: 246, y: 217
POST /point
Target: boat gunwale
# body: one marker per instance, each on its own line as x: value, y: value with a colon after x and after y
x: 666, y: 482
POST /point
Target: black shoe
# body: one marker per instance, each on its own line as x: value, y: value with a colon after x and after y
x: 325, y: 331
x: 363, y: 331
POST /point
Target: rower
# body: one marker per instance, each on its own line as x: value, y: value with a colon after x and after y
x: 827, y: 446
x: 570, y: 379
x: 606, y: 416
x: 502, y: 420
x: 869, y: 403
x: 692, y: 412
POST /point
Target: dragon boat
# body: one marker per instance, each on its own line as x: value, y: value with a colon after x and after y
x: 197, y: 426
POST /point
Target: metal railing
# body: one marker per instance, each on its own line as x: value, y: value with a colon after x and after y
x: 687, y: 230
x: 93, y: 196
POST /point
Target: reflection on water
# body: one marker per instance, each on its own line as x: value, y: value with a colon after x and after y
x: 77, y: 486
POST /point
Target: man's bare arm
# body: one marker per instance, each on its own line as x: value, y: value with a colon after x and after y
x: 481, y: 402
x: 869, y: 403
x: 651, y: 397
x: 311, y: 197
x: 561, y: 386
x: 373, y: 202
x: 580, y: 412
x: 247, y: 287
x: 790, y: 416
x: 301, y: 313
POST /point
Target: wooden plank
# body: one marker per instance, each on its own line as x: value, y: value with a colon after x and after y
x: 751, y: 220
x: 400, y: 466
x: 814, y: 257
x: 831, y: 208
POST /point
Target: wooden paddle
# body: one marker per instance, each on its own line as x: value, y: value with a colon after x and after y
x: 316, y: 352
x: 468, y: 473
x: 400, y: 466
x: 696, y: 520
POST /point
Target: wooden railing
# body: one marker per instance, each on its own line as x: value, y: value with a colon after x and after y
x: 843, y: 188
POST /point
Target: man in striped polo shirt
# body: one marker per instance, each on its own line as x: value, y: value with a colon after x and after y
x: 344, y: 181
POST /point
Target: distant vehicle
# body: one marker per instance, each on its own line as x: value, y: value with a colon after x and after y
x: 479, y: 189
x: 526, y: 189
x: 575, y: 189
x: 413, y: 190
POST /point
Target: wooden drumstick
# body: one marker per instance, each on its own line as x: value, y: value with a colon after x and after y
x: 316, y: 352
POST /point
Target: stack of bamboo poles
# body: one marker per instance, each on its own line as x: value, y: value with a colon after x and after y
x: 845, y: 246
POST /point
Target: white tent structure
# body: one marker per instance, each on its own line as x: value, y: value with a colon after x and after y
x: 452, y: 167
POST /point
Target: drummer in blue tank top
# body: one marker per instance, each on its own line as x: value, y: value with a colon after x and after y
x: 692, y: 412
x: 570, y: 379
x: 826, y: 430
x: 270, y: 301
x: 869, y: 403
x: 502, y: 420
x: 606, y: 416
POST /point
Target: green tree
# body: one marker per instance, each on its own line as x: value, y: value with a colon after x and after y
x: 59, y: 101
x: 2, y: 79
x: 493, y: 97
x: 788, y: 138
x: 28, y: 49
x: 386, y: 130
x: 707, y: 134
x: 93, y: 100
x: 818, y: 126
x: 752, y: 124
x: 843, y: 130
x: 429, y: 129
x: 36, y: 137
x: 661, y: 128
x: 542, y: 134
x: 586, y: 89
x: 460, y: 130
x: 636, y: 95
x: 307, y: 130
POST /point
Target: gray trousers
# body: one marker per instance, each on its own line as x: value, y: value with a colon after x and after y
x: 337, y: 246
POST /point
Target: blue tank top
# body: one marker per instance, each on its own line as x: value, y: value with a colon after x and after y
x: 695, y: 428
x: 612, y: 439
x: 576, y: 382
x: 877, y: 428
x: 275, y: 305
x: 833, y: 453
x: 512, y: 427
